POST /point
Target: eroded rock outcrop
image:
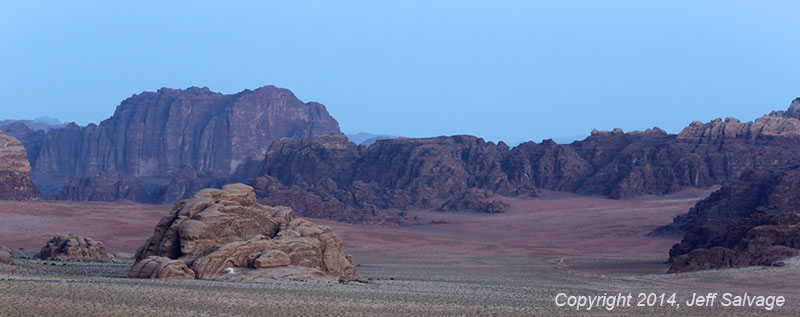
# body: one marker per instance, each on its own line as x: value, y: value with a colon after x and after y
x: 72, y: 247
x: 752, y: 221
x: 106, y: 186
x: 226, y: 233
x: 15, y: 171
x: 345, y: 178
x: 5, y: 255
x: 758, y: 239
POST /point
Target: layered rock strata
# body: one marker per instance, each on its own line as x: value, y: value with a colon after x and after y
x: 224, y: 233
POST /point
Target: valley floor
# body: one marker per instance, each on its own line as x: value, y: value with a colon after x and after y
x: 469, y: 264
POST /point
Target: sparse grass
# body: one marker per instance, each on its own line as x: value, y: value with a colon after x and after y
x: 484, y: 286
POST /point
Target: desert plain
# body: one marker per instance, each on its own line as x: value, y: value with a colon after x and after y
x: 513, y: 263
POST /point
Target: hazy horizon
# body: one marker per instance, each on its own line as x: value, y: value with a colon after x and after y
x: 512, y: 71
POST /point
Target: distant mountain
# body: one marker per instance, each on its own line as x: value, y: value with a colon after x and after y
x: 39, y: 124
x: 363, y: 138
x: 154, y: 135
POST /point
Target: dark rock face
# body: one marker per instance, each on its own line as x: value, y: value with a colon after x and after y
x: 751, y: 221
x: 154, y: 134
x: 15, y: 171
x: 334, y: 177
x: 464, y: 172
x: 766, y: 190
x: 759, y: 239
x: 107, y: 186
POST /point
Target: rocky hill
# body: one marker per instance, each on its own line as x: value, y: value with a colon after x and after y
x: 349, y: 181
x: 225, y: 234
x: 752, y: 221
x: 153, y: 135
x: 15, y: 170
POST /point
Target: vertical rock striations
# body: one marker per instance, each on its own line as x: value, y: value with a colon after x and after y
x: 153, y: 135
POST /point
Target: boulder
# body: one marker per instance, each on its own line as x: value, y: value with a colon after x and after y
x: 226, y: 233
x: 72, y: 247
x: 5, y: 255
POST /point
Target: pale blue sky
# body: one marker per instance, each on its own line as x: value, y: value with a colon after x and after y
x: 510, y: 70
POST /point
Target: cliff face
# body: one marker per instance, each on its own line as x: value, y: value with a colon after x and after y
x: 155, y: 134
x: 752, y: 221
x: 15, y: 181
x: 390, y: 174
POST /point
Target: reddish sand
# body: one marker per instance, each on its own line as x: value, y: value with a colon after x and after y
x: 123, y: 227
x: 556, y: 224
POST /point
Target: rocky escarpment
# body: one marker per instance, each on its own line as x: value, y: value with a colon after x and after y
x: 465, y: 172
x: 153, y: 135
x: 752, y: 221
x: 758, y: 239
x: 352, y: 182
x: 15, y: 180
x: 227, y: 234
x: 73, y: 247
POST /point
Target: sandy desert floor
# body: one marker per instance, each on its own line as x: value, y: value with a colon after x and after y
x: 474, y: 264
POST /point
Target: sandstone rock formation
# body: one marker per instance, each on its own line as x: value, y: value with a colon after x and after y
x: 765, y: 190
x: 15, y: 171
x: 225, y: 233
x: 31, y: 139
x: 465, y: 172
x: 106, y: 186
x: 5, y: 255
x: 337, y: 177
x: 153, y: 135
x: 759, y: 239
x: 752, y: 221
x: 72, y: 247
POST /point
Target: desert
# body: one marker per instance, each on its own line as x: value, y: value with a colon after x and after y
x: 403, y: 158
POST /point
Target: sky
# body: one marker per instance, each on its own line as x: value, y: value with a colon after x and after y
x: 501, y: 70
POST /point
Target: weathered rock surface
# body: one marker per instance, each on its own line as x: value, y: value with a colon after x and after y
x: 766, y: 190
x: 464, y: 172
x: 152, y: 135
x: 31, y: 139
x: 107, y: 186
x: 337, y: 178
x: 15, y: 171
x: 225, y: 233
x: 5, y: 255
x: 73, y: 247
x: 752, y: 221
x: 759, y: 239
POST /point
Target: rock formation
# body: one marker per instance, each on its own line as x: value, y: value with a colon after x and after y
x: 336, y: 177
x: 5, y: 255
x: 15, y: 171
x: 31, y: 139
x: 758, y: 239
x: 752, y: 221
x: 464, y: 172
x: 72, y: 247
x: 106, y: 186
x: 153, y: 135
x: 227, y: 234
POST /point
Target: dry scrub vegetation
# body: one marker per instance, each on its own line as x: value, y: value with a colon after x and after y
x: 450, y: 286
